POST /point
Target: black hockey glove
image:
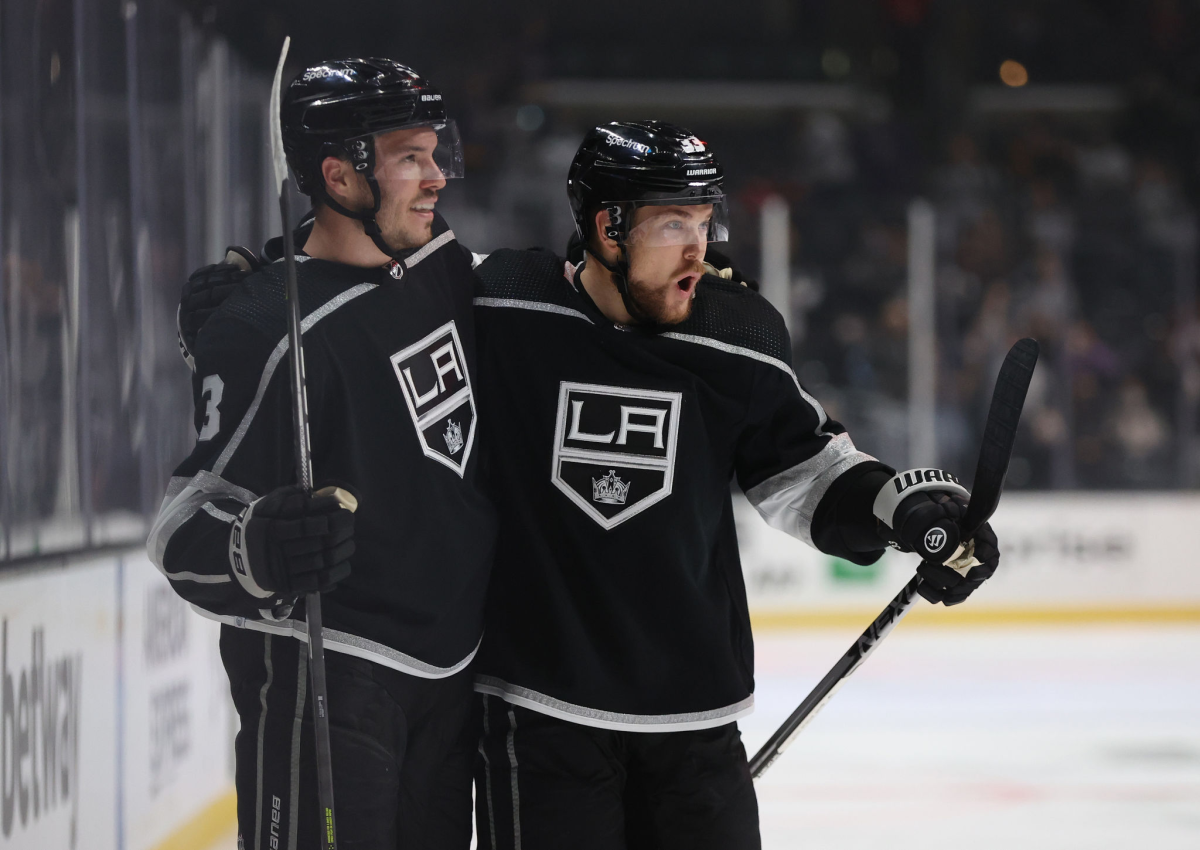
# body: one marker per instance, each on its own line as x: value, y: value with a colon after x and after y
x: 952, y: 582
x: 718, y: 264
x: 924, y: 509
x: 206, y: 289
x: 289, y: 543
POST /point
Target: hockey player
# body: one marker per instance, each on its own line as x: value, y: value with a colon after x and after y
x: 390, y: 360
x: 622, y: 394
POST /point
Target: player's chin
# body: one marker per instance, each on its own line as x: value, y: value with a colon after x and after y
x: 671, y: 312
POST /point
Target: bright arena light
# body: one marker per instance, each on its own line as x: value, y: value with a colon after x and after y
x: 1013, y: 73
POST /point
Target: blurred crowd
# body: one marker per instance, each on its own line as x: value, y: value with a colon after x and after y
x: 1069, y: 230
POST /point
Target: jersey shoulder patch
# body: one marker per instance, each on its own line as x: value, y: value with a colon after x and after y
x: 510, y: 275
x: 732, y: 315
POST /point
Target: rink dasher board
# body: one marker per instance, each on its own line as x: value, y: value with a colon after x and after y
x: 130, y: 679
x: 1115, y: 554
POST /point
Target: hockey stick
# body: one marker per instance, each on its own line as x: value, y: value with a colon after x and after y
x: 994, y: 454
x: 304, y: 474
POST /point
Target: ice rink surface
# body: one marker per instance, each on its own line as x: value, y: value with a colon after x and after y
x: 1062, y: 738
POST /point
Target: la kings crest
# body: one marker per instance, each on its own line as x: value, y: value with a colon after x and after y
x: 437, y: 388
x: 614, y: 449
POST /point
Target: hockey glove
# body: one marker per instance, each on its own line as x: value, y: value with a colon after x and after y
x: 289, y: 543
x: 206, y: 289
x: 924, y: 509
x: 716, y: 263
x: 952, y: 582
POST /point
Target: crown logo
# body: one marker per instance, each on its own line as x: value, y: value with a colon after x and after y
x: 610, y: 490
x: 454, y: 438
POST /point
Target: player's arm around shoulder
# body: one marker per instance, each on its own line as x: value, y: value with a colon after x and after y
x: 231, y: 524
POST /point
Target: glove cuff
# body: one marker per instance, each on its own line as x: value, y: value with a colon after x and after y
x: 239, y: 555
x: 904, y: 484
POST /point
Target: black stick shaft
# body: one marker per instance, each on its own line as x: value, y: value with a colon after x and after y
x: 304, y: 475
x: 828, y: 686
x: 999, y: 434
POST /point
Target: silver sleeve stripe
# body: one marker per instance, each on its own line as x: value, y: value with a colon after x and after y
x: 273, y: 361
x: 216, y: 513
x: 429, y: 247
x: 584, y: 716
x: 175, y: 487
x: 198, y: 578
x: 822, y: 417
x: 178, y: 509
x: 539, y: 306
x: 348, y: 644
x: 788, y: 500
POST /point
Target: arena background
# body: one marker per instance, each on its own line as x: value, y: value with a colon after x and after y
x: 915, y: 184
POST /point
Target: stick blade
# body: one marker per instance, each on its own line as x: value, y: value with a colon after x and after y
x: 1000, y: 433
x: 275, y: 128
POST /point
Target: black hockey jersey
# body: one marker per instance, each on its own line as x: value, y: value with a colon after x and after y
x: 617, y: 597
x: 390, y: 362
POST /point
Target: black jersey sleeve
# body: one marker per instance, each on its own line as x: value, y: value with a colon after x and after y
x: 800, y: 469
x: 243, y: 450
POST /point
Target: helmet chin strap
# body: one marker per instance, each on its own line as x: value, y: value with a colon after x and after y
x: 620, y: 269
x: 362, y: 152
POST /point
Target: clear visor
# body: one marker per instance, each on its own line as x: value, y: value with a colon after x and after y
x: 423, y: 152
x: 683, y: 222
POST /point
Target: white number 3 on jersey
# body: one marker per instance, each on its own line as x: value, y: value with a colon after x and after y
x: 212, y: 389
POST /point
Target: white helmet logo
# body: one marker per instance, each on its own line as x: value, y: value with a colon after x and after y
x: 935, y: 539
x: 693, y: 145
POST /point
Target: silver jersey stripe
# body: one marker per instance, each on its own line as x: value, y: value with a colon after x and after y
x: 822, y: 417
x: 178, y: 509
x: 538, y: 306
x: 428, y: 248
x: 788, y: 500
x: 347, y: 644
x: 216, y: 513
x: 584, y: 716
x: 796, y: 518
x: 269, y: 369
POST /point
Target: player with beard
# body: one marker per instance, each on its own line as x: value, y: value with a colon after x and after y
x: 389, y: 353
x: 623, y: 393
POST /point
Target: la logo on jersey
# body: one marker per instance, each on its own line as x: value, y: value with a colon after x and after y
x: 437, y: 387
x: 614, y: 449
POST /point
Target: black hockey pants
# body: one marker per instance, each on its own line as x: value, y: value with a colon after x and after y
x: 402, y: 750
x: 546, y: 784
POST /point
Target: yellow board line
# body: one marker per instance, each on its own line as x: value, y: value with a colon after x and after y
x: 966, y: 616
x: 205, y: 828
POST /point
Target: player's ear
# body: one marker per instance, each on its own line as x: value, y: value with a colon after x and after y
x: 600, y: 240
x: 341, y: 180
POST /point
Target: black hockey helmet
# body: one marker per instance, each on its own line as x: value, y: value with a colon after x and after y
x: 624, y: 165
x: 337, y: 107
x: 628, y: 164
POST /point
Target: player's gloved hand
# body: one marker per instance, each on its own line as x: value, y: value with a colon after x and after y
x: 289, y: 543
x: 206, y: 289
x: 716, y: 263
x: 924, y: 508
x: 952, y: 582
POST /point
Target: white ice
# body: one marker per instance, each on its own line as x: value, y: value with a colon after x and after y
x: 1064, y: 738
x: 1068, y: 738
